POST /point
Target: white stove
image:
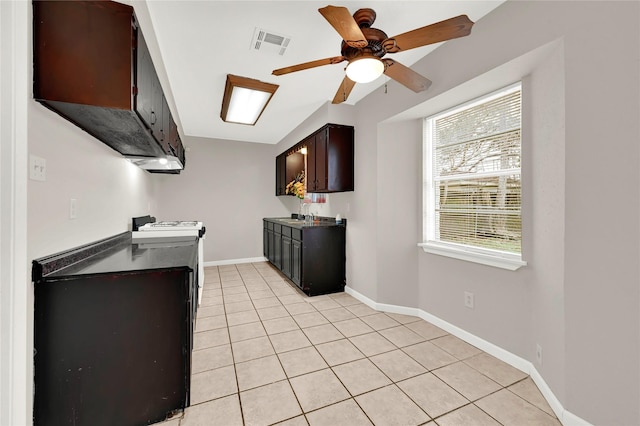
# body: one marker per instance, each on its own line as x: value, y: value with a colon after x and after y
x: 175, y: 232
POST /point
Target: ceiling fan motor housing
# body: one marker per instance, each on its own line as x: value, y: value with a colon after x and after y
x: 374, y: 37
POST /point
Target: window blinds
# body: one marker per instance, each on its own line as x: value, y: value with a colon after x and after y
x: 474, y: 173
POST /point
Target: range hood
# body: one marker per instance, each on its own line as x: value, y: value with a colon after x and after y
x: 167, y: 163
x: 106, y: 84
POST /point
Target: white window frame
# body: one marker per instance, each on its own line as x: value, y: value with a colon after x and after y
x: 430, y: 244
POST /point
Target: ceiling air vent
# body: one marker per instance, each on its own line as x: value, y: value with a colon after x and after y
x: 270, y: 42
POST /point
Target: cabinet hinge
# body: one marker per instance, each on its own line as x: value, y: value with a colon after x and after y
x: 134, y: 90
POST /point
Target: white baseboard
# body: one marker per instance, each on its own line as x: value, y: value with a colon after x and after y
x: 233, y: 261
x: 570, y: 419
x: 566, y: 417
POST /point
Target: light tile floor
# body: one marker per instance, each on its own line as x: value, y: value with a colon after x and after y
x: 264, y: 353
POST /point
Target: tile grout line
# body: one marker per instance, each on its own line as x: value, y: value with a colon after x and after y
x: 235, y: 370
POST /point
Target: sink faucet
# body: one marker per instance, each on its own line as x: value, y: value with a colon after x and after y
x: 308, y: 213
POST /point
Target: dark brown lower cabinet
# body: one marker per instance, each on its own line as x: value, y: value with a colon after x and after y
x: 114, y: 348
x: 110, y: 349
x: 313, y: 257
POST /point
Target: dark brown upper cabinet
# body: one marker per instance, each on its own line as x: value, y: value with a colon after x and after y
x: 329, y: 161
x: 92, y: 67
x: 330, y: 156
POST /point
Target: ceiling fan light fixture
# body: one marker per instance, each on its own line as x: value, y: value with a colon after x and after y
x: 245, y: 99
x: 365, y: 69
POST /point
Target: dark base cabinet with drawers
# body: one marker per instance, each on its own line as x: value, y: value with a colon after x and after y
x: 311, y: 256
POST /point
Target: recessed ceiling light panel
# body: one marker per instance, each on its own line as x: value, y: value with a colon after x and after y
x: 245, y: 99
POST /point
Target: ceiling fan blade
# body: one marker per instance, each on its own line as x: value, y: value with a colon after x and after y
x: 307, y: 65
x: 343, y: 92
x: 340, y: 18
x: 459, y: 26
x: 405, y: 76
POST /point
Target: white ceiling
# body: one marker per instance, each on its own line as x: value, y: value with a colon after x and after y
x: 200, y: 42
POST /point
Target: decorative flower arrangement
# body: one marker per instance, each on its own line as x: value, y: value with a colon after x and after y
x: 296, y: 186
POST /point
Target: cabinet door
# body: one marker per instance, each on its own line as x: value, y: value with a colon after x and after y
x: 265, y: 241
x: 310, y: 143
x: 286, y: 256
x: 296, y: 262
x: 320, y: 159
x: 281, y: 169
x: 174, y: 138
x: 272, y: 246
x: 82, y: 53
x: 165, y: 127
x: 317, y: 161
x: 295, y: 166
x: 157, y: 107
x: 143, y: 76
x: 277, y: 250
x: 339, y: 158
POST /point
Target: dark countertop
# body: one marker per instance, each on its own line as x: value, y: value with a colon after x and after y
x: 117, y: 254
x: 299, y: 223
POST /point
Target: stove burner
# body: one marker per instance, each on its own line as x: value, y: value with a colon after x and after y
x: 173, y: 224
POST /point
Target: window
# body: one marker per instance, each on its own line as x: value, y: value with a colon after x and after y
x: 472, y: 185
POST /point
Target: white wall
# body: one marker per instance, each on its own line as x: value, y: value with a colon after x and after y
x: 228, y: 185
x: 109, y: 190
x: 399, y: 166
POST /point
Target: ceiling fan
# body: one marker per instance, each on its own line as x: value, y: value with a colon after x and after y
x: 363, y: 47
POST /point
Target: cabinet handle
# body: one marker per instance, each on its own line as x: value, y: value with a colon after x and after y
x: 153, y: 118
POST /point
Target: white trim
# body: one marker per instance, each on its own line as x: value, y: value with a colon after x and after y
x: 566, y: 417
x: 232, y: 261
x: 570, y: 419
x: 479, y: 100
x: 512, y: 263
x: 16, y: 304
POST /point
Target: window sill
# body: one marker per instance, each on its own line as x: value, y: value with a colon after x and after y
x: 498, y: 260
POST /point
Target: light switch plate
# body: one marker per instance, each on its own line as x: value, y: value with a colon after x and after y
x: 73, y: 208
x: 37, y: 168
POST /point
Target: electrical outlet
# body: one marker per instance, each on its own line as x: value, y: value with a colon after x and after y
x: 73, y: 208
x: 539, y: 354
x: 37, y: 168
x: 468, y: 300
